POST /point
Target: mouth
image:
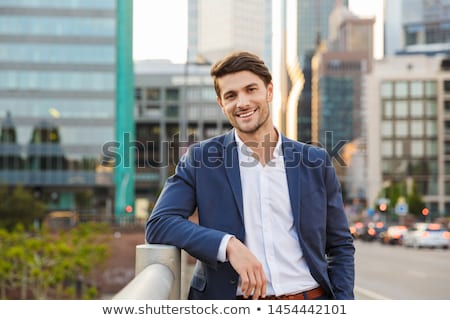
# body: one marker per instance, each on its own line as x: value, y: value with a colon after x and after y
x: 247, y: 114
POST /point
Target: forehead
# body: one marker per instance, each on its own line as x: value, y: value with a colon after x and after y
x: 238, y: 80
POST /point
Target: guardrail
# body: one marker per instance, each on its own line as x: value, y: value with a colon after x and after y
x: 157, y: 274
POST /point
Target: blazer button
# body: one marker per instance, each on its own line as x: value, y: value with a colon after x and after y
x: 232, y: 281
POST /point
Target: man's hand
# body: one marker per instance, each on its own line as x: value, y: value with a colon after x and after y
x: 250, y: 270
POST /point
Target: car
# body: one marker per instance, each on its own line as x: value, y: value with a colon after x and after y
x: 393, y: 235
x: 356, y: 229
x: 427, y: 235
x: 372, y: 231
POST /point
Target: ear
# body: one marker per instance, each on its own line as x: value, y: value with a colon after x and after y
x: 269, y: 92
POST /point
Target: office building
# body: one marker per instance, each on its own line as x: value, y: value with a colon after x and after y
x: 338, y: 117
x: 409, y: 128
x: 313, y: 28
x: 171, y: 99
x: 58, y: 100
x: 417, y: 26
x: 218, y: 27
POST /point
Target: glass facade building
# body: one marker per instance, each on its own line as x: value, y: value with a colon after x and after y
x: 417, y: 26
x: 57, y: 99
x: 313, y: 26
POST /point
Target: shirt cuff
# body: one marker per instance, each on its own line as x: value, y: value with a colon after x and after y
x: 222, y: 253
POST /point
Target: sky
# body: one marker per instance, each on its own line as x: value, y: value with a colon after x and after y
x: 160, y: 27
x: 160, y: 30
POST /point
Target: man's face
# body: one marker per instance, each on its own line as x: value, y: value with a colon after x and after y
x: 245, y: 101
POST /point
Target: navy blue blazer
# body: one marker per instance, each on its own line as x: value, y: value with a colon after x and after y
x: 207, y: 178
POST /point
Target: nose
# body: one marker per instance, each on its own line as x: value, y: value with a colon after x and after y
x: 242, y: 101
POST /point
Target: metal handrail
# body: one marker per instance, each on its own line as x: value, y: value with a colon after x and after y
x: 157, y: 274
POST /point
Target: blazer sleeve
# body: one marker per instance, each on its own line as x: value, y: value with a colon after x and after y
x: 168, y: 222
x: 340, y: 249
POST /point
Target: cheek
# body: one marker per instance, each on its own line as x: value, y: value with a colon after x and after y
x: 228, y: 108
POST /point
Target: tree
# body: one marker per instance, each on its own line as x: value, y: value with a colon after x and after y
x: 18, y: 206
x: 396, y: 190
x: 43, y: 265
x: 415, y: 202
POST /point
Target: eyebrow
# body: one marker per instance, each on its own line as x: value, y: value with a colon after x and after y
x: 247, y: 86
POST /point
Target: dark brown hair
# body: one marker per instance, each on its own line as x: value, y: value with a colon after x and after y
x: 240, y: 61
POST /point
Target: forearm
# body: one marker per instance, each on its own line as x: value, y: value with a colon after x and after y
x: 200, y: 242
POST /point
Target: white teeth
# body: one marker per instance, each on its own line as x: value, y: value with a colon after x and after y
x: 248, y: 114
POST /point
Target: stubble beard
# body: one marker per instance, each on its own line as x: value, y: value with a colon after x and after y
x: 257, y: 126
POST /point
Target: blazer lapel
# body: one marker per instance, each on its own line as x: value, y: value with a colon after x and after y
x: 292, y: 161
x: 231, y: 159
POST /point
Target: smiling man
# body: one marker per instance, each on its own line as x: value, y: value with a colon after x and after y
x: 271, y: 219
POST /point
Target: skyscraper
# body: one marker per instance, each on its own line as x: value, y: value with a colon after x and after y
x: 297, y: 26
x: 57, y: 94
x: 313, y: 27
x: 218, y: 27
x: 338, y: 116
x: 417, y: 26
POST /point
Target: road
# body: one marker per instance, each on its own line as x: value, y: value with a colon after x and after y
x: 399, y: 273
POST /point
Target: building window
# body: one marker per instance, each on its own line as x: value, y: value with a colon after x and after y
x: 153, y: 94
x: 447, y: 86
x: 431, y: 148
x: 447, y: 148
x: 417, y: 129
x: 386, y: 149
x: 447, y: 204
x: 401, y: 89
x: 447, y: 192
x: 447, y: 127
x: 416, y: 89
x: 401, y: 128
x: 447, y: 168
x: 401, y: 109
x: 430, y: 108
x: 137, y: 93
x: 388, y: 109
x: 430, y: 89
x: 172, y: 111
x: 417, y: 109
x: 399, y: 148
x: 152, y: 111
x: 172, y: 94
x: 411, y: 33
x: 417, y: 149
x: 386, y: 128
x: 447, y: 106
x: 386, y: 90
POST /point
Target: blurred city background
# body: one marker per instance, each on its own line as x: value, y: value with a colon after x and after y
x: 90, y: 130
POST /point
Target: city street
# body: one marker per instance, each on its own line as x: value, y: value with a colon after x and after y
x: 399, y: 273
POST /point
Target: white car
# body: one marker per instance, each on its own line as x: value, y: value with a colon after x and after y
x: 427, y: 235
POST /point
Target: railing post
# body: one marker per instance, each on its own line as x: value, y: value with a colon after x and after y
x: 170, y: 256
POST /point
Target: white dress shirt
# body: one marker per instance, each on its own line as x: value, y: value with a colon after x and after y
x: 269, y: 224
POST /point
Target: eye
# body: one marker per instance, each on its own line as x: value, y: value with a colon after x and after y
x: 228, y: 96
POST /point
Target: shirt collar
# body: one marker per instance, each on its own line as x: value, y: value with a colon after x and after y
x: 277, y: 151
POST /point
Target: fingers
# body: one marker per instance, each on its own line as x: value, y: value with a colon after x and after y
x: 250, y: 270
x: 249, y: 286
x: 253, y: 283
x: 260, y: 290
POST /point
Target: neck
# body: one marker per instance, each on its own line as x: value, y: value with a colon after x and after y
x: 262, y: 143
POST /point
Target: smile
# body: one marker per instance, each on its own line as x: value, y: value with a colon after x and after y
x: 247, y: 114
